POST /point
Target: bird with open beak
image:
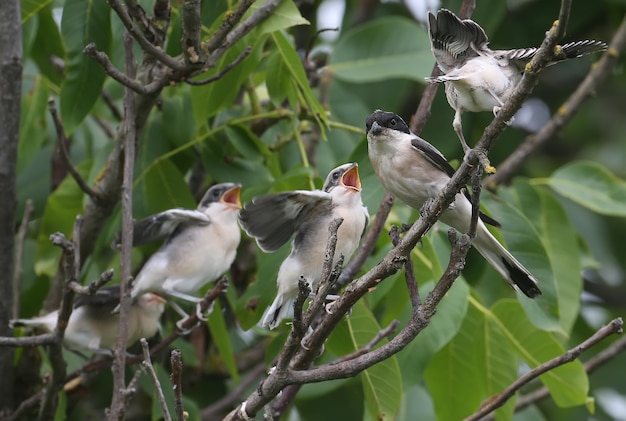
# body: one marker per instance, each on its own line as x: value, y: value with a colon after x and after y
x: 414, y: 171
x: 200, y: 246
x: 476, y: 77
x: 91, y: 325
x: 273, y: 219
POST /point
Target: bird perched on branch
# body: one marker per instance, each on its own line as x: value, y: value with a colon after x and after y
x: 92, y: 327
x: 200, y: 246
x: 414, y: 171
x: 273, y: 219
x: 476, y: 77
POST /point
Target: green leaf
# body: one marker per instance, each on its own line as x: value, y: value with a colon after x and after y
x: 32, y: 123
x: 61, y: 209
x: 164, y: 188
x: 47, y: 43
x: 568, y: 384
x: 211, y: 98
x: 591, y: 185
x: 29, y: 8
x: 284, y: 16
x: 382, y: 383
x: 455, y: 376
x: 443, y: 326
x: 301, y: 87
x: 525, y: 243
x: 83, y: 21
x: 219, y: 333
x: 386, y: 48
x: 277, y: 79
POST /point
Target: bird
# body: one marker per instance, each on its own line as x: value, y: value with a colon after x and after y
x: 200, y: 246
x: 415, y: 171
x: 91, y: 326
x: 273, y: 219
x: 476, y: 77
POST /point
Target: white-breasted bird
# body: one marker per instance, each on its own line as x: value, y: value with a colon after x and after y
x: 414, y: 171
x: 273, y: 219
x: 476, y: 77
x: 200, y: 245
x: 91, y: 325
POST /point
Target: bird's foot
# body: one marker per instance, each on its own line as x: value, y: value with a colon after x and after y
x: 483, y: 161
x: 182, y: 331
x: 204, y: 315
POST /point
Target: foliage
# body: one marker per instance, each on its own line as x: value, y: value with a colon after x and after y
x: 280, y: 120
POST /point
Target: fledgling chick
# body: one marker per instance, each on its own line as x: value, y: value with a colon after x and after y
x: 476, y: 77
x: 274, y: 218
x: 200, y: 245
x: 91, y: 325
x: 414, y: 171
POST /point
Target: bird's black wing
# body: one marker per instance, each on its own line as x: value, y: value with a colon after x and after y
x: 161, y: 225
x: 435, y: 157
x: 103, y: 298
x: 274, y: 218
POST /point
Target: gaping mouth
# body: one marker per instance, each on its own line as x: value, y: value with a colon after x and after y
x: 351, y: 178
x: 231, y: 197
x: 156, y: 298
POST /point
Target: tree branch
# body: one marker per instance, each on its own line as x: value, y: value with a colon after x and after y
x: 231, y: 18
x: 176, y: 378
x: 597, y: 75
x: 493, y: 403
x: 192, y: 26
x: 147, y: 366
x: 130, y: 137
x: 221, y: 74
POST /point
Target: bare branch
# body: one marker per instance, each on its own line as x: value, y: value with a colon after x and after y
x: 94, y: 286
x: 146, y: 45
x: 230, y: 20
x: 130, y: 136
x: 147, y: 366
x: 192, y: 27
x: 221, y: 74
x: 597, y: 75
x: 63, y: 141
x: 37, y: 340
x: 92, y: 52
x: 493, y: 403
x: 299, y: 329
x: 176, y: 378
x: 19, y: 256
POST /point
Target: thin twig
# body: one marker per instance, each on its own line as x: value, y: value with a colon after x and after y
x: 304, y: 290
x: 612, y: 351
x: 221, y: 74
x: 92, y: 52
x: 146, y: 45
x: 230, y: 20
x: 18, y: 269
x: 388, y: 331
x: 94, y: 286
x: 115, y: 111
x: 597, y: 75
x: 493, y: 403
x: 37, y: 340
x: 176, y: 378
x: 63, y: 141
x: 147, y: 366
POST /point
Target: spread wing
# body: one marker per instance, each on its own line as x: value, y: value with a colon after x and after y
x: 105, y: 299
x: 161, y: 225
x: 274, y: 218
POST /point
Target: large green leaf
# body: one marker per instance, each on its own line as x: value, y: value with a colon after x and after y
x: 284, y: 16
x: 591, y: 185
x: 83, y: 21
x: 568, y: 384
x: 61, y: 209
x: 29, y: 8
x: 386, y: 48
x: 47, y: 43
x: 165, y: 188
x: 219, y: 333
x: 32, y: 123
x: 382, y: 383
x: 442, y: 328
x: 211, y: 98
x: 525, y: 243
x: 301, y: 88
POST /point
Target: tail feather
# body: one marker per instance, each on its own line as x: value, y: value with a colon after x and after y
x: 507, y: 265
x: 46, y: 322
x: 281, y: 308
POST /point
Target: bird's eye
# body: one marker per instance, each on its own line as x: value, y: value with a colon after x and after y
x: 336, y: 175
x: 392, y: 122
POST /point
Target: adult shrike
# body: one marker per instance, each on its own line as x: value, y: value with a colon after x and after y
x: 476, y: 77
x: 273, y: 219
x: 414, y: 171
